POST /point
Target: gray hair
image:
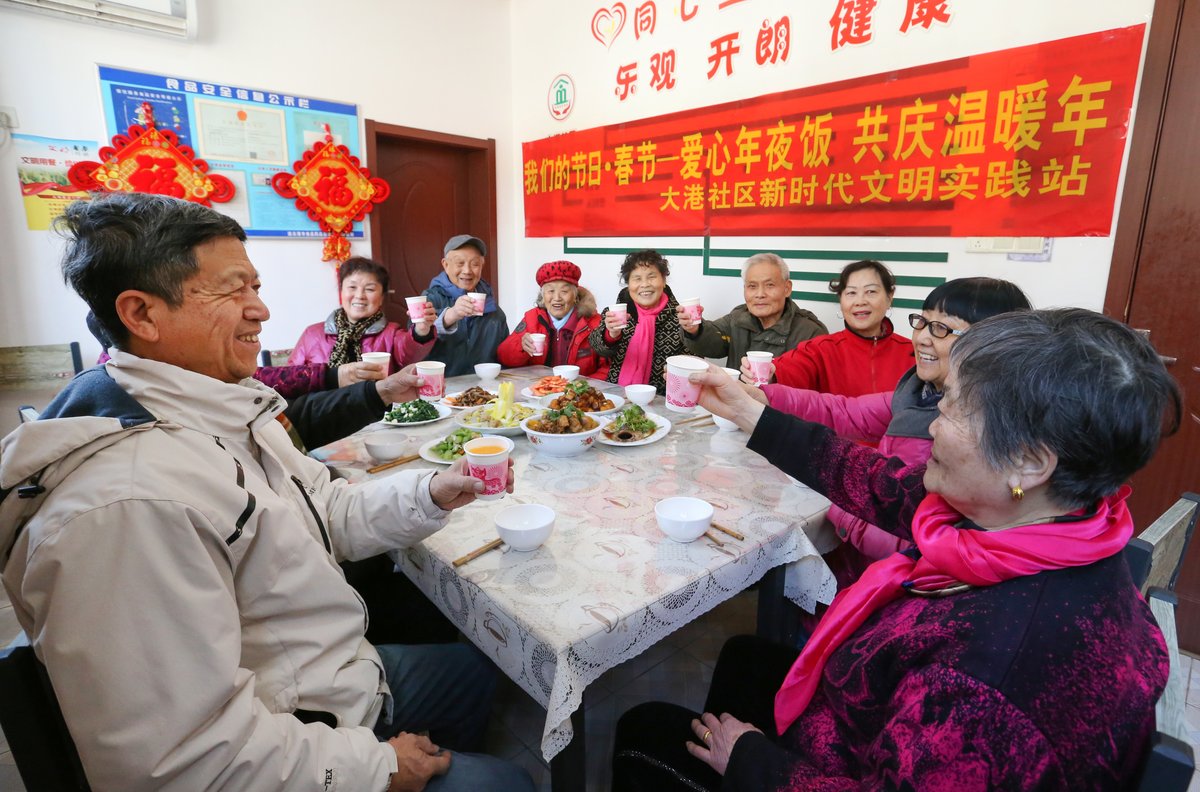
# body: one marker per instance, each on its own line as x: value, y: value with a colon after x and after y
x: 540, y: 302
x: 135, y: 241
x: 1071, y: 381
x: 785, y: 271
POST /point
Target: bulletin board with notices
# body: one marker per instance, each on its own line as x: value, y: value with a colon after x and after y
x: 246, y: 134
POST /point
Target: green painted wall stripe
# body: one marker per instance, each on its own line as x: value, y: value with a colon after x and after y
x: 927, y: 256
x: 707, y: 253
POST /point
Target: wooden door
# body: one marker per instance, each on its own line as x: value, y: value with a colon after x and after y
x: 441, y: 185
x: 1154, y: 283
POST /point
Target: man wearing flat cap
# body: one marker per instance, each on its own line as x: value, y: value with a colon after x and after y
x: 465, y: 334
x: 565, y: 313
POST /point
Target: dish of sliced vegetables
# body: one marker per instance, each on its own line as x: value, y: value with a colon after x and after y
x: 447, y: 449
x: 503, y: 416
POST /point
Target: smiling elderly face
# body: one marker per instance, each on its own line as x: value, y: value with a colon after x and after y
x: 559, y: 297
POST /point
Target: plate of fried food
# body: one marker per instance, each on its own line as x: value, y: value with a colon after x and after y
x: 633, y: 426
x: 586, y: 398
x: 473, y: 396
x: 502, y: 416
x: 545, y: 386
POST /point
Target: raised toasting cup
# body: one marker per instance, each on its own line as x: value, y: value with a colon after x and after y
x: 487, y: 460
x: 620, y: 312
x: 682, y: 394
x: 760, y: 367
x: 433, y: 372
x: 539, y: 343
x: 416, y: 308
x: 691, y: 306
x: 479, y: 299
x: 381, y: 359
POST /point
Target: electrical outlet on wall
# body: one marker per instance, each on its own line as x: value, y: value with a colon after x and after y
x: 8, y: 117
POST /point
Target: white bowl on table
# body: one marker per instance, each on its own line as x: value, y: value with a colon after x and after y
x: 487, y: 371
x: 562, y: 445
x: 569, y: 373
x: 525, y: 527
x: 640, y: 394
x: 724, y: 424
x: 385, y: 446
x: 683, y: 519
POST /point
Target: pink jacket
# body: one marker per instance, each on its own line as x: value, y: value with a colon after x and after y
x: 864, y: 419
x: 316, y: 342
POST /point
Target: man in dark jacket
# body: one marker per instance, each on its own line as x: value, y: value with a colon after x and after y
x: 466, y: 335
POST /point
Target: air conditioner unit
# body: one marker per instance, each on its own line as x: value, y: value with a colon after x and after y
x: 174, y: 18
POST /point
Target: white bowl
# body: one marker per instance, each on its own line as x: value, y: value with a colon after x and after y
x: 683, y: 519
x: 385, y: 446
x: 487, y: 371
x: 568, y: 373
x: 525, y: 527
x: 562, y: 445
x: 640, y: 394
x: 724, y: 424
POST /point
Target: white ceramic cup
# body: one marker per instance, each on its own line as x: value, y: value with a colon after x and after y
x: 383, y: 359
x: 539, y: 343
x: 691, y: 307
x: 487, y: 460
x: 416, y: 308
x: 620, y: 312
x: 434, y: 374
x: 760, y: 366
x: 681, y: 394
x: 480, y: 300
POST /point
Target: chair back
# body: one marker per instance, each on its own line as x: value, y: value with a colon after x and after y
x: 1166, y: 543
x: 33, y: 724
x: 28, y: 413
x: 35, y: 366
x: 1170, y: 762
x: 274, y: 357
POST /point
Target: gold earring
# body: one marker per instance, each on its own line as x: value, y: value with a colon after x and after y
x: 1017, y: 493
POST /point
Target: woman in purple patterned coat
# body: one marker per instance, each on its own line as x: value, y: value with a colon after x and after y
x: 1010, y: 648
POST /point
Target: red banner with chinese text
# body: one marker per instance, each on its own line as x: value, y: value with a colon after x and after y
x: 1022, y: 142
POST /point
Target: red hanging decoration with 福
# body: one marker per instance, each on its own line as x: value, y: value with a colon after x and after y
x: 150, y: 160
x: 335, y: 190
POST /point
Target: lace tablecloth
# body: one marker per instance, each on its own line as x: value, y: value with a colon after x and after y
x: 608, y: 584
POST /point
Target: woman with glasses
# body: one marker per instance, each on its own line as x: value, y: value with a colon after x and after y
x: 898, y: 421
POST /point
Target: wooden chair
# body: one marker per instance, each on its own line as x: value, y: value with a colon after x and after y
x: 274, y: 357
x: 1170, y: 762
x: 39, y: 366
x: 1155, y: 556
x: 33, y: 724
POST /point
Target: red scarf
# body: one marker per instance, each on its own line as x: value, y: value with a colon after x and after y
x: 639, y: 353
x: 950, y: 556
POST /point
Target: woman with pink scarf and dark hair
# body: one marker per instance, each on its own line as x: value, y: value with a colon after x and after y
x: 1009, y: 649
x: 639, y: 347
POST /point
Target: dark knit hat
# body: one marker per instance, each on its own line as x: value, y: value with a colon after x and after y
x: 558, y: 270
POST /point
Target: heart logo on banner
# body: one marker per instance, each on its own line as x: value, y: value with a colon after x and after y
x: 607, y: 23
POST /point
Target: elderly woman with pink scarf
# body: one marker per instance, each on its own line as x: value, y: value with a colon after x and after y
x: 1009, y: 649
x: 639, y: 346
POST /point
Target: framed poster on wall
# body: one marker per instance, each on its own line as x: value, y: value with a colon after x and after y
x: 246, y: 134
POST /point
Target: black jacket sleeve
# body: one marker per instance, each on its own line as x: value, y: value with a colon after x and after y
x: 325, y: 416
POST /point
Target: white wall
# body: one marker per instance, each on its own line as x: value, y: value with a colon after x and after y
x: 442, y: 66
x: 554, y: 37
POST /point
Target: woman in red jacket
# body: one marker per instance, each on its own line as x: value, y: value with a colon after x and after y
x: 866, y: 357
x: 566, y: 313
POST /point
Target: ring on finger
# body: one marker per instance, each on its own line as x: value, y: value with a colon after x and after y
x: 707, y: 734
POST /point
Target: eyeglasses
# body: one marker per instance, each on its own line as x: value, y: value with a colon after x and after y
x: 936, y: 329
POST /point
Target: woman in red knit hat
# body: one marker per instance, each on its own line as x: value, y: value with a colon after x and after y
x: 565, y: 313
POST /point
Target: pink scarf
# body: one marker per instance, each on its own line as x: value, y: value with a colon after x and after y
x: 639, y: 353
x: 949, y: 556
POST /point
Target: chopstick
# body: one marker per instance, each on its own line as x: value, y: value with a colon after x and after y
x: 729, y: 532
x: 713, y: 539
x: 394, y: 463
x: 471, y: 556
x: 696, y: 420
